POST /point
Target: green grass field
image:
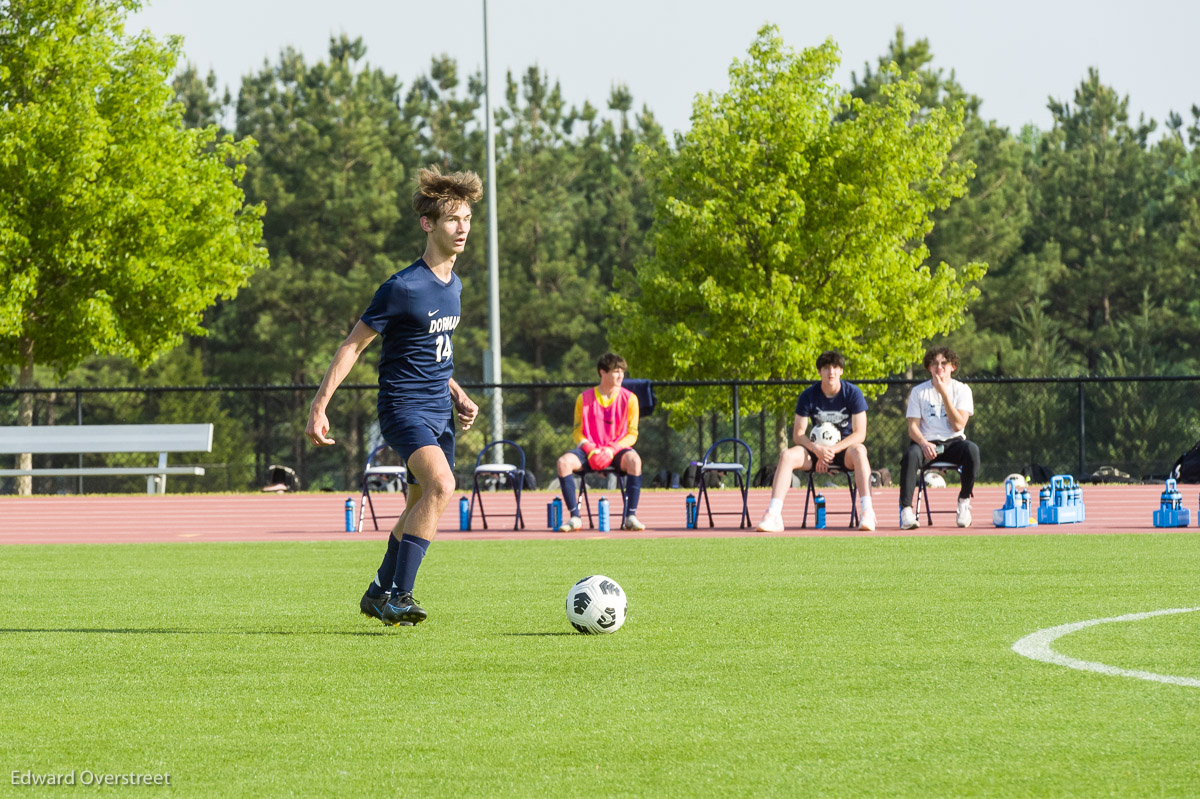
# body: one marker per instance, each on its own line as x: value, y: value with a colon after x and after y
x: 748, y: 667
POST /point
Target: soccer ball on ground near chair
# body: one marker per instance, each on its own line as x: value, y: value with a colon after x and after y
x: 825, y: 434
x: 1018, y: 481
x: 596, y: 605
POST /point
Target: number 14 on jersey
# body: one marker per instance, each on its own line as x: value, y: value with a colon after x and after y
x: 443, y: 348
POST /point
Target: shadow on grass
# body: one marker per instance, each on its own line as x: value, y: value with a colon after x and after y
x: 171, y: 631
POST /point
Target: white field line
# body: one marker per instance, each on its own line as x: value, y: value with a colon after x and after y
x: 1037, y: 647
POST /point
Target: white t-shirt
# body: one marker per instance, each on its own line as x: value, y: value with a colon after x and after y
x: 925, y: 403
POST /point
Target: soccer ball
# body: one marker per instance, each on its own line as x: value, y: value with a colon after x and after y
x: 596, y: 605
x: 1018, y: 481
x: 826, y: 434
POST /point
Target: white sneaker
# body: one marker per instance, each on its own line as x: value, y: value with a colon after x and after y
x: 632, y: 523
x: 908, y: 519
x: 771, y: 523
x: 963, y: 517
x: 572, y: 525
x: 866, y: 521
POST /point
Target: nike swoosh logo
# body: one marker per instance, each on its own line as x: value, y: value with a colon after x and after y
x: 431, y: 313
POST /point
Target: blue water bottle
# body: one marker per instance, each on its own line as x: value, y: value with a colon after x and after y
x: 554, y: 513
x: 691, y: 511
x: 464, y: 514
x: 603, y: 512
x: 820, y: 500
x: 349, y: 515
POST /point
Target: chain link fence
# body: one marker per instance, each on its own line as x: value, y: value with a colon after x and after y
x: 1138, y: 425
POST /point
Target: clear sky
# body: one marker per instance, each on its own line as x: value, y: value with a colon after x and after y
x: 1013, y: 55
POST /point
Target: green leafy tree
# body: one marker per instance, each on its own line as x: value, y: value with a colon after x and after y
x: 120, y: 225
x: 785, y: 224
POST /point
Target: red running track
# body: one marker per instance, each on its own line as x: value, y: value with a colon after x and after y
x: 320, y: 517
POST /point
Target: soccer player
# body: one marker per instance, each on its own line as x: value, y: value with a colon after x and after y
x: 938, y: 410
x: 842, y: 404
x: 416, y: 311
x: 606, y: 428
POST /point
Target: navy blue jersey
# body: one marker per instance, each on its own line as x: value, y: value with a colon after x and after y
x: 836, y: 410
x: 415, y: 313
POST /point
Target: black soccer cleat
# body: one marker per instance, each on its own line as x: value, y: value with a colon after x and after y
x: 373, y: 605
x: 402, y: 611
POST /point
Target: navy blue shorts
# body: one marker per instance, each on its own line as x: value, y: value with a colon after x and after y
x: 406, y: 430
x: 587, y: 469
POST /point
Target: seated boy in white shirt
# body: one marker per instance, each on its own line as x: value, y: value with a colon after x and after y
x: 938, y: 410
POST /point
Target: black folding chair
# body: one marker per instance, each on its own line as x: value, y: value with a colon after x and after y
x: 505, y: 474
x: 922, y: 491
x: 382, y: 473
x: 811, y: 495
x: 606, y: 472
x: 741, y: 474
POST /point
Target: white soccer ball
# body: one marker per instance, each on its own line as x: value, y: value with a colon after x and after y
x: 1018, y: 481
x: 826, y: 434
x: 596, y: 605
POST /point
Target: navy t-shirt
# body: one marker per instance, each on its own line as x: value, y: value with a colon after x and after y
x: 836, y: 410
x: 416, y: 314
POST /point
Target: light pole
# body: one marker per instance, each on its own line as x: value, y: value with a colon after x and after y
x: 493, y: 254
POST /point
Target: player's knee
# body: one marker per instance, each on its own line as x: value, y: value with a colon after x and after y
x: 793, y: 458
x: 973, y: 452
x: 566, y: 465
x: 631, y: 463
x: 440, y: 488
x: 857, y: 455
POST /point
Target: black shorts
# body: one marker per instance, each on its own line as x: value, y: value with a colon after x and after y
x: 839, y: 461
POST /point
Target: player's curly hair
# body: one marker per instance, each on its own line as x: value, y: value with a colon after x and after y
x: 436, y: 193
x: 950, y: 355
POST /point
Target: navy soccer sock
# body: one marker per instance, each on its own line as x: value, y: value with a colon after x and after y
x: 412, y: 551
x: 570, y: 501
x: 633, y: 490
x: 383, y: 578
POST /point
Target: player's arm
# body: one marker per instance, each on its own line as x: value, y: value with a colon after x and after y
x: 577, y: 434
x: 858, y: 432
x: 918, y: 438
x: 463, y: 406
x: 631, y: 427
x: 800, y: 432
x: 957, y: 417
x: 344, y: 359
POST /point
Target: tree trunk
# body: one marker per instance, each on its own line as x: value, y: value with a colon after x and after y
x: 25, y: 413
x: 783, y: 434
